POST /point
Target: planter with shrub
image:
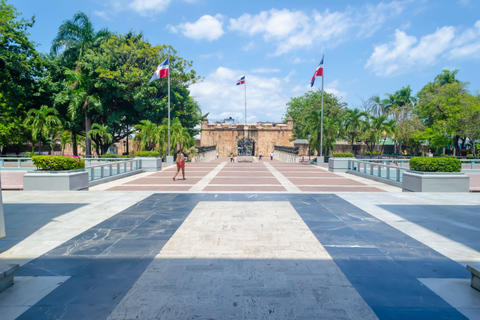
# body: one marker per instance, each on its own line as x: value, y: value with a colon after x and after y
x: 435, y: 175
x: 151, y: 161
x: 57, y: 173
x: 338, y: 162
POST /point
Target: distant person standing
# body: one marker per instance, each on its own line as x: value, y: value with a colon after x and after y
x: 180, y: 161
x: 271, y: 155
x: 231, y: 157
x: 260, y: 156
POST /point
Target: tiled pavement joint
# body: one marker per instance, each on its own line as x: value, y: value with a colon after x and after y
x: 206, y: 180
x: 287, y: 184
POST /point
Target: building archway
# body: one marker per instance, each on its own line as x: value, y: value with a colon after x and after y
x: 246, y: 147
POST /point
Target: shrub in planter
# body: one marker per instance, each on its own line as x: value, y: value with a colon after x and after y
x: 374, y: 153
x: 444, y: 164
x: 342, y: 155
x: 148, y: 154
x: 109, y: 155
x: 57, y: 163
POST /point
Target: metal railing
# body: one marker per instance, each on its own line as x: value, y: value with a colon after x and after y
x: 11, y: 163
x: 380, y: 170
x: 110, y: 169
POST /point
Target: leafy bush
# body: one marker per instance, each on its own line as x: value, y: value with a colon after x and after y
x: 427, y: 164
x: 374, y: 153
x: 342, y: 155
x: 447, y: 156
x: 109, y: 155
x: 31, y: 154
x: 148, y: 154
x: 54, y: 163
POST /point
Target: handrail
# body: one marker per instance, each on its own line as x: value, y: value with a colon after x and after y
x: 383, y: 171
x: 472, y: 162
x: 135, y: 164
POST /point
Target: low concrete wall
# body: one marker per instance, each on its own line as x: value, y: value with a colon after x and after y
x: 151, y: 164
x: 415, y: 181
x: 56, y: 180
x: 206, y: 156
x: 283, y: 156
x: 338, y: 164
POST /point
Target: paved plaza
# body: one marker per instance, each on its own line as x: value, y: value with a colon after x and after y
x: 261, y: 240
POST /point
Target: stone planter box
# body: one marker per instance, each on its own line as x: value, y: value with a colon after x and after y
x: 56, y: 180
x: 151, y: 164
x: 338, y: 164
x: 418, y: 181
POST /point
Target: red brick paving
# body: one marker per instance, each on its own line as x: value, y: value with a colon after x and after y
x: 339, y: 181
x: 247, y: 181
x: 12, y: 180
x: 244, y: 188
x: 150, y: 188
x: 338, y: 189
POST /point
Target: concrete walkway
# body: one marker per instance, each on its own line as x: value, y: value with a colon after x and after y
x: 220, y: 254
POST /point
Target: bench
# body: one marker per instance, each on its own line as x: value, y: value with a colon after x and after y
x: 6, y: 275
x: 475, y: 277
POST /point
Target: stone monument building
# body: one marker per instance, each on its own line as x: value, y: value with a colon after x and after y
x: 246, y: 139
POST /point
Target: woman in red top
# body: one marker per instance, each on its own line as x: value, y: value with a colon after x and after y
x: 180, y: 164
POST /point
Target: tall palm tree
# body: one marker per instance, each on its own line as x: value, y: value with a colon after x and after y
x: 65, y: 138
x: 102, y: 136
x: 374, y: 128
x: 313, y: 127
x: 353, y: 124
x: 147, y: 134
x: 76, y: 36
x: 44, y: 123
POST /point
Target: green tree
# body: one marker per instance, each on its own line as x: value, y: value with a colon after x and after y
x: 374, y: 128
x: 442, y: 104
x: 101, y: 136
x: 353, y: 125
x: 301, y: 108
x: 76, y: 36
x: 44, y: 123
x: 147, y: 135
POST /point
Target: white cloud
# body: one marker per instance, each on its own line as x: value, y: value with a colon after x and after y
x: 218, y: 94
x: 248, y: 46
x: 206, y: 28
x: 332, y: 88
x: 292, y: 30
x: 148, y: 7
x: 264, y: 70
x: 406, y: 52
x: 218, y: 55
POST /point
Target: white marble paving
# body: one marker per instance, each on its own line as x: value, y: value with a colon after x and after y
x: 26, y: 292
x: 252, y: 260
x: 287, y: 184
x: 200, y: 185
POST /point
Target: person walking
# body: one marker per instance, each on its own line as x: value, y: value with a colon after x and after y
x: 260, y: 155
x: 231, y: 157
x: 271, y: 155
x: 180, y: 161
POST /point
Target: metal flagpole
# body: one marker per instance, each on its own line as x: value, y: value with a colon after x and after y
x: 321, y: 115
x: 168, y: 148
x: 245, y: 100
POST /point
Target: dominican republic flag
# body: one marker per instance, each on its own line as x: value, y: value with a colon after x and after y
x: 318, y: 73
x: 241, y: 81
x: 162, y: 71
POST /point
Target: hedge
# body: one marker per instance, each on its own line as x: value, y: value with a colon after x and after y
x: 427, y: 164
x: 342, y: 155
x: 367, y: 153
x: 148, y: 154
x: 57, y: 163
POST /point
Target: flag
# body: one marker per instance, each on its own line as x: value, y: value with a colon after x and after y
x: 241, y: 81
x: 161, y: 71
x: 318, y: 73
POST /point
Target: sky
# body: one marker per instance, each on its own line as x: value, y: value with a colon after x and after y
x: 370, y: 47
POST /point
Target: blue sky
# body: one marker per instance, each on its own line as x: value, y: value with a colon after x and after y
x: 370, y: 47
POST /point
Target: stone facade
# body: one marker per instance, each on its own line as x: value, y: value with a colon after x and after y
x: 265, y: 136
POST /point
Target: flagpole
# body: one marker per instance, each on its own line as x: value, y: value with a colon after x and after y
x: 245, y: 101
x: 168, y: 148
x: 321, y: 115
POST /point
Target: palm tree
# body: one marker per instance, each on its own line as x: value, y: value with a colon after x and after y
x: 331, y: 132
x: 147, y: 135
x: 374, y: 128
x: 65, y: 138
x: 76, y: 36
x: 103, y: 138
x: 44, y: 123
x: 313, y: 127
x: 353, y: 124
